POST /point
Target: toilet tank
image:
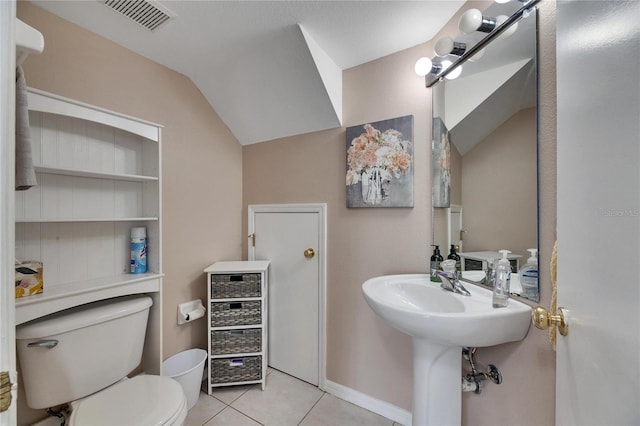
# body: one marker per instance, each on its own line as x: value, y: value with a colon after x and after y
x: 97, y: 345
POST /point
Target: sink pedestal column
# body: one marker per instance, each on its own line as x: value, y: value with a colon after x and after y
x: 437, y: 388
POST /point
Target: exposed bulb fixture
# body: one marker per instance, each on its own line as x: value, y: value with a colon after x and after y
x: 473, y: 20
x: 446, y: 46
x: 509, y: 31
x: 423, y: 66
x: 453, y: 74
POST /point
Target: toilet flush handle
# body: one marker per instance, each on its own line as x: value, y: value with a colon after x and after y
x: 44, y: 343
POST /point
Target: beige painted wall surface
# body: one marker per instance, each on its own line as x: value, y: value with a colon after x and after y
x: 499, y: 188
x: 201, y: 160
x: 363, y: 352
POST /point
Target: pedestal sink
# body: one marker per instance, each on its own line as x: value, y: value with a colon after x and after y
x: 441, y: 323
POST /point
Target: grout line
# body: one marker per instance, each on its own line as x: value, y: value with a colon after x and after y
x: 312, y: 407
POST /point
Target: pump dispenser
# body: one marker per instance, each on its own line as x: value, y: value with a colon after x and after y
x: 502, y: 281
x: 435, y: 264
x: 529, y: 276
x: 453, y: 255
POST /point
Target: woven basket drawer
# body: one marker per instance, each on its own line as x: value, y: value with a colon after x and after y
x: 225, y: 286
x: 225, y: 314
x: 231, y: 370
x: 236, y: 341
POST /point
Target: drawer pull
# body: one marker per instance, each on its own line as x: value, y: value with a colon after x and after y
x: 237, y: 305
x: 236, y: 362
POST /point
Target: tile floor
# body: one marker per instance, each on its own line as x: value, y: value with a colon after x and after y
x: 286, y: 401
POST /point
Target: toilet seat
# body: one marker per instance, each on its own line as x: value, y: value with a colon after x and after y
x: 141, y: 400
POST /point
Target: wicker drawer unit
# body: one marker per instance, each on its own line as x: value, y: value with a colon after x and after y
x: 237, y: 293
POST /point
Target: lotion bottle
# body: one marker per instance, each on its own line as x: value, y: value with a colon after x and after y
x: 529, y: 276
x: 502, y: 281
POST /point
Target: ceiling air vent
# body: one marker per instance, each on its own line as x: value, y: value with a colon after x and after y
x: 150, y: 14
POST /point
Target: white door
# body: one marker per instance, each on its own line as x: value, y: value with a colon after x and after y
x: 455, y: 227
x: 598, y: 87
x: 7, y: 227
x: 291, y: 238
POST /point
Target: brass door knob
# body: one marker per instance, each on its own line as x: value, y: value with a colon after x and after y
x: 543, y: 319
x: 309, y: 253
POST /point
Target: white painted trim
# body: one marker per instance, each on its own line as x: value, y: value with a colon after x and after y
x: 7, y: 203
x: 321, y: 210
x: 383, y: 408
x: 455, y: 208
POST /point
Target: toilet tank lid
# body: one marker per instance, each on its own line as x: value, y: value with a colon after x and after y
x: 82, y: 316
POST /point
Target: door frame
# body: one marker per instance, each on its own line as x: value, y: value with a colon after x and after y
x: 7, y: 201
x: 321, y: 210
x: 454, y: 208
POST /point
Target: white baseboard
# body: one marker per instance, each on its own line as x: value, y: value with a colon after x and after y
x: 367, y: 402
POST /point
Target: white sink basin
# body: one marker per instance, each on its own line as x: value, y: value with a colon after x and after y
x: 441, y: 323
x: 416, y: 306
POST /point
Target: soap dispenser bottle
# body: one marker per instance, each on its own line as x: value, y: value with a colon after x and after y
x: 453, y: 255
x: 529, y: 276
x: 435, y: 264
x: 502, y: 281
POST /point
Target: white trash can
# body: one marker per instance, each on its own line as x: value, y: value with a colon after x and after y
x: 187, y: 368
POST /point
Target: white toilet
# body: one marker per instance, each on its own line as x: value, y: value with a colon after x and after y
x: 81, y: 356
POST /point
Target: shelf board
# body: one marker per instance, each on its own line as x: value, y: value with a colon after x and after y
x: 238, y: 355
x: 89, y: 219
x: 55, y: 298
x: 237, y: 299
x: 248, y: 382
x: 236, y: 327
x: 93, y: 174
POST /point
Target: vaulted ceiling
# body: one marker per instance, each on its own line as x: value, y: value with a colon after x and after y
x: 270, y: 69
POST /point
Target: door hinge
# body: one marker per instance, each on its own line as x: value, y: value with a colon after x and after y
x: 6, y: 386
x: 253, y: 239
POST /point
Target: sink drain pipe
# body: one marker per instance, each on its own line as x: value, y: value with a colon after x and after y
x: 473, y: 381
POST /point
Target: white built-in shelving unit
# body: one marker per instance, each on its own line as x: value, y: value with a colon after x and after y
x: 98, y: 176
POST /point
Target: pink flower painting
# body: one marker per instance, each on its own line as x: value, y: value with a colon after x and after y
x: 379, y: 164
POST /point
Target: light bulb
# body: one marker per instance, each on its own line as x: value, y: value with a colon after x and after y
x: 423, y: 66
x: 479, y: 54
x: 473, y: 20
x: 454, y: 73
x: 502, y: 1
x: 446, y: 46
x: 470, y: 21
x: 509, y: 31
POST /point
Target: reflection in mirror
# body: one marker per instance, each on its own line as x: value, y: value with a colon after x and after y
x: 488, y: 199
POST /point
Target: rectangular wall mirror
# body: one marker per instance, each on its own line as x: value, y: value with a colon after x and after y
x: 488, y: 199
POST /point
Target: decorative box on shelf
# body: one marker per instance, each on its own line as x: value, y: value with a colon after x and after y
x: 237, y: 299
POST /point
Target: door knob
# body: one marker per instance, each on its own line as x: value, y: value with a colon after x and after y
x: 543, y: 319
x: 309, y: 253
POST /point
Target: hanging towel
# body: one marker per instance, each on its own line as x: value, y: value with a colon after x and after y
x: 25, y: 175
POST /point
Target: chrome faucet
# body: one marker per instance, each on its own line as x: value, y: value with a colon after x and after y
x: 451, y: 280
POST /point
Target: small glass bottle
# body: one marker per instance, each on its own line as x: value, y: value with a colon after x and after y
x: 502, y: 281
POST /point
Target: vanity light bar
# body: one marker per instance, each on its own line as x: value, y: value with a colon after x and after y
x: 431, y: 79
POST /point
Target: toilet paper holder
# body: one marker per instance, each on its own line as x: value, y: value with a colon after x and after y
x: 190, y: 311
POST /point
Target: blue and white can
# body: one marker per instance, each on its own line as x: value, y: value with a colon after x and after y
x: 138, y: 250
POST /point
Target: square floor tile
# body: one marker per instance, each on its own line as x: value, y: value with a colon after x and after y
x: 336, y: 412
x: 231, y: 417
x: 204, y: 410
x: 285, y: 400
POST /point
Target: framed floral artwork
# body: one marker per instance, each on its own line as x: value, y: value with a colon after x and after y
x: 441, y: 164
x: 380, y: 163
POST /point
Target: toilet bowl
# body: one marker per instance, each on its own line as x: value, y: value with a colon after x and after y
x: 141, y: 400
x: 82, y: 356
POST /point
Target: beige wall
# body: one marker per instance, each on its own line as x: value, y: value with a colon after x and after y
x: 201, y: 160
x: 499, y: 188
x: 363, y: 352
x: 204, y: 169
